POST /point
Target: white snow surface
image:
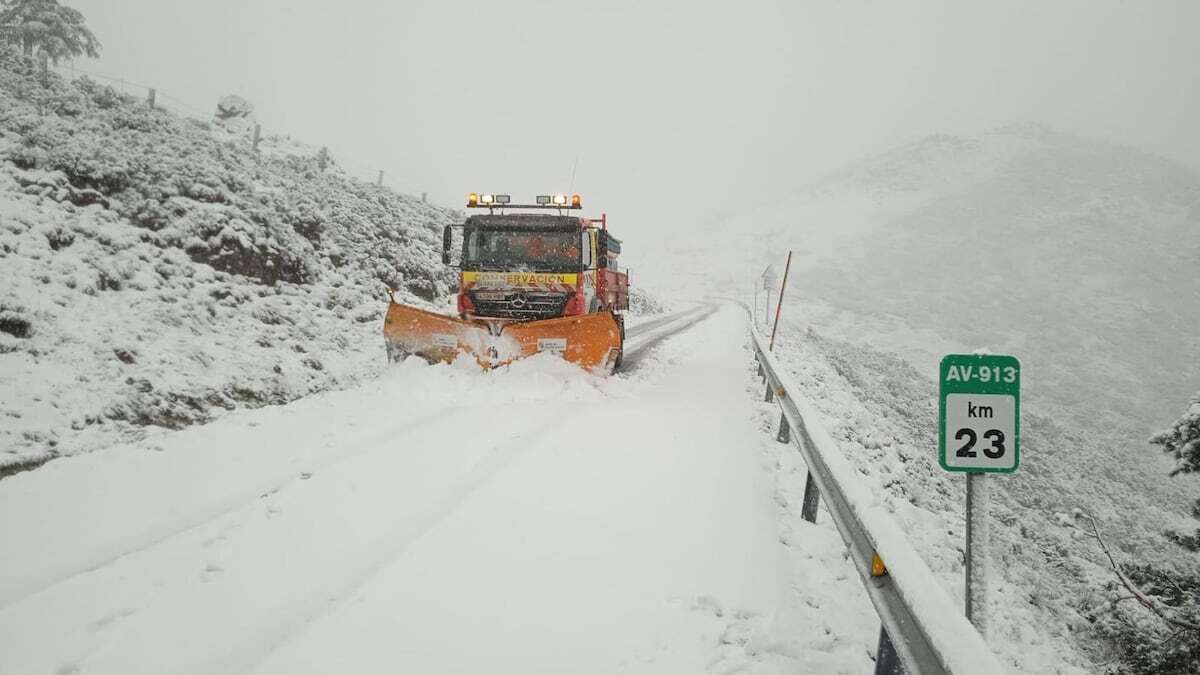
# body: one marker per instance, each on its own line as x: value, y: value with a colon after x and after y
x: 440, y: 520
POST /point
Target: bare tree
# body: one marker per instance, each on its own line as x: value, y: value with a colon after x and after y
x: 1172, y: 618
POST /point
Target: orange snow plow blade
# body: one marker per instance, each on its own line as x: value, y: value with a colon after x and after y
x: 592, y: 341
x: 409, y: 331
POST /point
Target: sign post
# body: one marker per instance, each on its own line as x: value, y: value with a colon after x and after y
x: 769, y: 278
x: 978, y: 540
x: 979, y: 405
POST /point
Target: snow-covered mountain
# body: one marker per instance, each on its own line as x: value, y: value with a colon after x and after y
x: 155, y: 269
x: 1075, y: 255
x: 1078, y: 255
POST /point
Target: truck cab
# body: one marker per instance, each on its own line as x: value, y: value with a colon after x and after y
x: 534, y: 266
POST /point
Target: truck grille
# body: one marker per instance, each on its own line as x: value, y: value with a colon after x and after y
x: 525, y: 305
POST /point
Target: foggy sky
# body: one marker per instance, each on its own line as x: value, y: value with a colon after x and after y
x: 673, y: 110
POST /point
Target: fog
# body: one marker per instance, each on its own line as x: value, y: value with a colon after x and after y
x: 661, y: 112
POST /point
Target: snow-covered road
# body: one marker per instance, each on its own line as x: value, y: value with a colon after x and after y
x: 440, y: 520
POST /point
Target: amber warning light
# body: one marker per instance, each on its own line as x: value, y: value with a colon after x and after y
x: 561, y: 201
x: 486, y: 199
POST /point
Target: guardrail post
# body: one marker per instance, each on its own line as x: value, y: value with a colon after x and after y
x: 887, y: 662
x: 785, y: 431
x: 770, y: 392
x: 812, y: 497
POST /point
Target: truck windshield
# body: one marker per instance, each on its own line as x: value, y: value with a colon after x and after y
x: 522, y: 250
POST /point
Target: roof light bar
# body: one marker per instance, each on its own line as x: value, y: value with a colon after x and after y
x: 490, y: 201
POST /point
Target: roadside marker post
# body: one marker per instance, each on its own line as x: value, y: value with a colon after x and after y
x: 979, y: 432
x: 779, y: 307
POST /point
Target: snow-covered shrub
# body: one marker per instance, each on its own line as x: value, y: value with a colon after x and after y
x: 1142, y: 643
x: 157, y: 270
x: 1182, y: 440
x: 641, y: 302
x: 14, y: 322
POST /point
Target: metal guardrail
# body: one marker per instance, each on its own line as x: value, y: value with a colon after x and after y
x: 922, y: 629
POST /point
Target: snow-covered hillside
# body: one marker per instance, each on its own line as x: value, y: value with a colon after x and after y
x: 1078, y: 255
x: 1074, y: 255
x: 155, y: 269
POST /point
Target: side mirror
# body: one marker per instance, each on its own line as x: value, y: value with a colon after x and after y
x: 446, y: 242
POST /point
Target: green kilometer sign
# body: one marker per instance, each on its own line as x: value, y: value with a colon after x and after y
x: 979, y: 413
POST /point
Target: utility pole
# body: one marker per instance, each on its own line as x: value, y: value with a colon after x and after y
x: 379, y: 181
x: 150, y: 97
x: 257, y: 136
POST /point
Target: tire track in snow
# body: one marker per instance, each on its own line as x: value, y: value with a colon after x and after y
x: 662, y: 330
x: 423, y: 523
x: 400, y: 430
x: 644, y: 337
x: 310, y: 527
x: 636, y: 331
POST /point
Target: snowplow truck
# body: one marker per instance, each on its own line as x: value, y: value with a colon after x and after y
x: 532, y: 279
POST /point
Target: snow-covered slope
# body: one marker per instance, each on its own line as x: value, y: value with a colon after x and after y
x: 155, y: 269
x: 1076, y: 256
